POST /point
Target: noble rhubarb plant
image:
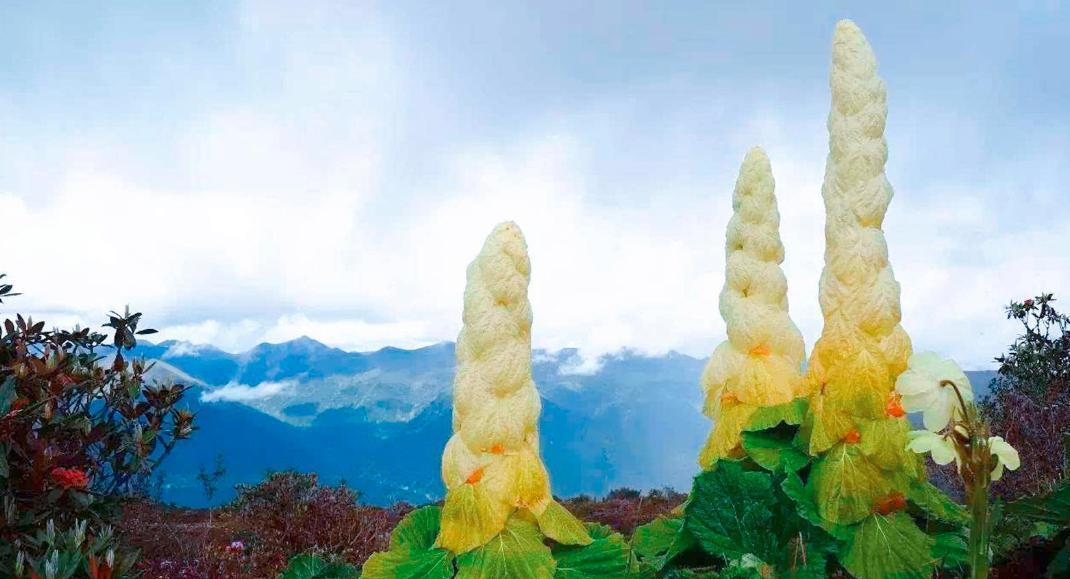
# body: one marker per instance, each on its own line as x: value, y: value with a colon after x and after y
x: 737, y: 520
x: 499, y: 520
x: 805, y: 475
x: 758, y: 365
x: 864, y: 487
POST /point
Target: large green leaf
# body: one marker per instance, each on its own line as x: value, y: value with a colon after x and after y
x: 806, y: 506
x: 417, y: 530
x: 412, y: 554
x: 658, y: 542
x: 516, y: 553
x: 950, y: 549
x: 884, y: 442
x: 1053, y: 507
x: 846, y: 485
x: 742, y: 516
x: 773, y: 450
x: 562, y: 526
x: 888, y: 547
x: 606, y: 556
x: 409, y: 564
x: 936, y: 504
x: 731, y: 512
x: 790, y: 413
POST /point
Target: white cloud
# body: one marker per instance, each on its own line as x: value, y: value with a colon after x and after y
x: 234, y: 392
x: 328, y: 197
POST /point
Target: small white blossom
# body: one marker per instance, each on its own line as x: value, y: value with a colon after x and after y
x: 1006, y: 456
x: 924, y: 389
x: 942, y: 449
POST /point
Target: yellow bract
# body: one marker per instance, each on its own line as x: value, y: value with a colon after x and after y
x: 470, y: 518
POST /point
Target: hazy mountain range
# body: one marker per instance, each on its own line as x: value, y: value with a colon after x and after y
x: 379, y: 420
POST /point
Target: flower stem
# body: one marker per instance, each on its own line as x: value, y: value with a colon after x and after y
x: 978, y: 497
x: 979, y: 535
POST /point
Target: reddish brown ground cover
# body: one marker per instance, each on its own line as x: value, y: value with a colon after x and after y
x: 289, y: 514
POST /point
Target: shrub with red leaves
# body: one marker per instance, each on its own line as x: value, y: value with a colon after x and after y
x: 268, y: 523
x: 1030, y: 401
x: 75, y: 434
x: 625, y: 509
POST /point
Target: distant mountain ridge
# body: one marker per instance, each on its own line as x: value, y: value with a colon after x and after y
x: 379, y: 420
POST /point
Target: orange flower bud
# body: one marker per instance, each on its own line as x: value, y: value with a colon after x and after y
x: 894, y: 407
x: 890, y: 504
x: 476, y: 476
x: 762, y: 350
x: 852, y: 437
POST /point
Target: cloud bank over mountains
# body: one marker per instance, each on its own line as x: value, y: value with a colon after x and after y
x: 329, y: 169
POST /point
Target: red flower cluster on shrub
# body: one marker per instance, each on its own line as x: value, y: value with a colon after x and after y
x: 70, y: 478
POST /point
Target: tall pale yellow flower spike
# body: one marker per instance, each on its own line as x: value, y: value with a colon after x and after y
x: 491, y: 465
x: 862, y: 347
x: 760, y: 362
x: 855, y: 423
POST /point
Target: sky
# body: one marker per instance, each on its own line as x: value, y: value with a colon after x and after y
x: 256, y: 171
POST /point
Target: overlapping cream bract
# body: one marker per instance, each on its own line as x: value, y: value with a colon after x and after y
x: 491, y: 465
x: 760, y: 362
x: 862, y: 348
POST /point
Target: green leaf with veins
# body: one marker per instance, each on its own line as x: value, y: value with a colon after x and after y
x: 888, y: 547
x: 607, y: 556
x: 412, y: 554
x: 846, y: 484
x: 774, y: 450
x: 790, y: 413
x: 1053, y: 507
x: 515, y: 553
x: 658, y: 542
x: 417, y: 530
x: 409, y: 564
x: 936, y: 504
x: 731, y: 512
x: 562, y: 526
x: 741, y: 515
x: 806, y: 506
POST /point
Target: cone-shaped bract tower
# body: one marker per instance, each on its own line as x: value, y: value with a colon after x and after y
x: 491, y: 465
x: 760, y: 362
x: 854, y: 421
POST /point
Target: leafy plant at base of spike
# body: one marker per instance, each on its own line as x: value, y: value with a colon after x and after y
x: 518, y: 551
x: 737, y: 519
x: 758, y: 513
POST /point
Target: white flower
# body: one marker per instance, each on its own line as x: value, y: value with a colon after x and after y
x: 942, y: 449
x: 1005, y: 455
x: 923, y: 387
